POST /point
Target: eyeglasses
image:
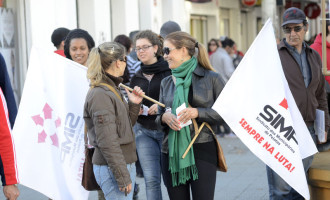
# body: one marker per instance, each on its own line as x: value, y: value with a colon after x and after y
x: 288, y: 30
x: 123, y: 59
x: 167, y: 50
x: 144, y: 48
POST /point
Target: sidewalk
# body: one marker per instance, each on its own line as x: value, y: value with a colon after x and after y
x: 245, y: 180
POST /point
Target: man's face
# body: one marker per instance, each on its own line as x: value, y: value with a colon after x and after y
x: 295, y: 34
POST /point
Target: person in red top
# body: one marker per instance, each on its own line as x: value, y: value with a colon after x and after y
x: 58, y: 38
x: 317, y: 45
x: 8, y: 167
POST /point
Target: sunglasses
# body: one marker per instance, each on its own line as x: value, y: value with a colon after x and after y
x: 167, y: 50
x: 296, y: 29
x: 123, y: 59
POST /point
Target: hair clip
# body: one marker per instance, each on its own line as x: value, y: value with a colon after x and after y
x: 99, y: 49
x: 196, y: 44
x: 112, y: 50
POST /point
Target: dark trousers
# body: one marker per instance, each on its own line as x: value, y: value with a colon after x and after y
x: 201, y: 189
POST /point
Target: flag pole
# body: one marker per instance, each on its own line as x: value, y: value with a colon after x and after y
x: 144, y: 96
x: 324, y: 42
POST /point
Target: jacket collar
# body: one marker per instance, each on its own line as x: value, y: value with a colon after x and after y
x: 111, y: 80
x: 283, y: 46
x: 199, y: 71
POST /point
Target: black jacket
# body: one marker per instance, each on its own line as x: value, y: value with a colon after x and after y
x: 207, y: 86
x: 151, y: 89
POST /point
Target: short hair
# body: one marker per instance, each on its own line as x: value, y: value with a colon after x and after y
x: 169, y: 27
x: 153, y: 38
x: 77, y: 33
x: 124, y: 40
x: 59, y: 35
x: 227, y: 42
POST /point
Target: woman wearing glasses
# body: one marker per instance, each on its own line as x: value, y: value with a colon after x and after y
x: 148, y: 47
x: 196, y: 86
x: 212, y: 46
x: 109, y: 119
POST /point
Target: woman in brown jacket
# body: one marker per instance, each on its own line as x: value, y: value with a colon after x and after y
x: 109, y: 119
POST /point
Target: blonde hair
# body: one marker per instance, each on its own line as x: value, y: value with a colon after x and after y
x: 101, y: 58
x: 182, y: 39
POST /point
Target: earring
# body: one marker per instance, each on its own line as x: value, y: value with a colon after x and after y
x: 155, y: 53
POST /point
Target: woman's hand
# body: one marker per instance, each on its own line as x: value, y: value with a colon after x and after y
x: 187, y: 114
x: 128, y: 189
x: 153, y: 110
x: 136, y: 95
x: 171, y: 121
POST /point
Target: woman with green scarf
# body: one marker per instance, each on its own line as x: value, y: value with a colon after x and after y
x: 194, y: 86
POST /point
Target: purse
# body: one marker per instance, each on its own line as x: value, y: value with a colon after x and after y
x: 222, y: 165
x: 88, y: 178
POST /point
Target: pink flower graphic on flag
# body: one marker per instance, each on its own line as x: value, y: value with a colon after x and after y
x: 48, y: 125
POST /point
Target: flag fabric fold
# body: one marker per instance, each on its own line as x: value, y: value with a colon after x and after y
x: 49, y: 128
x: 258, y: 106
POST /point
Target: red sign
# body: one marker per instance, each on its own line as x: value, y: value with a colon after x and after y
x: 249, y: 2
x: 312, y: 10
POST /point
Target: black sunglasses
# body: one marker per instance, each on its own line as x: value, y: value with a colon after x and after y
x: 296, y: 29
x: 123, y: 59
x: 167, y: 50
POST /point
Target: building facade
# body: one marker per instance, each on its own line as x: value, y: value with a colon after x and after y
x: 30, y: 23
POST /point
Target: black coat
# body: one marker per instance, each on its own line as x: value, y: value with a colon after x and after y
x: 151, y: 89
x: 207, y: 86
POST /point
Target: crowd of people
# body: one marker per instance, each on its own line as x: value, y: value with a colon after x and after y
x: 176, y: 70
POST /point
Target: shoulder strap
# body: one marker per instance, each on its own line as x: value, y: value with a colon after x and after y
x: 197, y: 131
x: 112, y: 89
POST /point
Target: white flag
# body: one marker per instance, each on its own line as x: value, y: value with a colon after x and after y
x: 258, y: 106
x: 49, y: 128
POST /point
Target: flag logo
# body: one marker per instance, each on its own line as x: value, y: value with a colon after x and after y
x: 48, y: 125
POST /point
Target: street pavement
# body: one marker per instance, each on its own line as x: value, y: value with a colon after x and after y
x: 245, y: 180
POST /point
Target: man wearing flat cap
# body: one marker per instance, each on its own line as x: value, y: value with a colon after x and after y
x: 302, y: 68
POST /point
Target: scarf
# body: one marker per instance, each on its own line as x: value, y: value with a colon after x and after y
x: 181, y: 169
x: 159, y: 66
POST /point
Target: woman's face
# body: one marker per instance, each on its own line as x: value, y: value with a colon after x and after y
x: 146, y: 51
x: 79, y: 50
x: 213, y: 46
x: 174, y: 56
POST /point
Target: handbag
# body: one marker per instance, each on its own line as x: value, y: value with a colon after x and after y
x: 222, y: 165
x: 88, y: 178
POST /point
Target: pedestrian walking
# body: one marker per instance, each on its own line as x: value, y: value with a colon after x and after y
x: 196, y: 86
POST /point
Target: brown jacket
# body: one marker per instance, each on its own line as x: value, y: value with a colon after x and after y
x: 109, y: 123
x: 314, y: 96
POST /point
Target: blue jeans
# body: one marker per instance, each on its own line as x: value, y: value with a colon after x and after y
x: 148, y: 145
x: 106, y: 180
x: 278, y: 188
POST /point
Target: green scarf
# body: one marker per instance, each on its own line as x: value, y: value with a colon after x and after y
x: 178, y: 141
